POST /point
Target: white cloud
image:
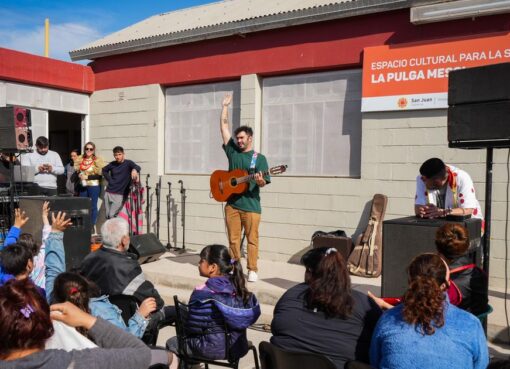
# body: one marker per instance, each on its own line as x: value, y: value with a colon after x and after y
x: 63, y: 38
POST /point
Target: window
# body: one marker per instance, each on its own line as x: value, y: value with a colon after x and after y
x: 192, y: 127
x: 312, y: 123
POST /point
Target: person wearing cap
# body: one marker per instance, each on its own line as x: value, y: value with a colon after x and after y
x: 443, y: 190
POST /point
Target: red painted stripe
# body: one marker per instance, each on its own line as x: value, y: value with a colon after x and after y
x: 313, y: 47
x: 46, y: 72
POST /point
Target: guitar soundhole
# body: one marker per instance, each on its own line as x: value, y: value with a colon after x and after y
x: 233, y: 182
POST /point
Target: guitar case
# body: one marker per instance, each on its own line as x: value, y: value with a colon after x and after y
x: 365, y: 259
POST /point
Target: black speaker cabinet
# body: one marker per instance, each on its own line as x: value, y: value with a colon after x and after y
x: 15, y: 129
x: 405, y: 238
x: 76, y: 237
x: 146, y: 247
x: 480, y: 84
x: 479, y: 125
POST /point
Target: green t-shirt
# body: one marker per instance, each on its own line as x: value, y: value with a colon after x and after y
x: 250, y: 200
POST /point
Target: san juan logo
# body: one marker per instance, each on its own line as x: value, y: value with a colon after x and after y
x: 402, y: 103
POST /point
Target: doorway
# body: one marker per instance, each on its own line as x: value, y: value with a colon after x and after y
x: 64, y: 133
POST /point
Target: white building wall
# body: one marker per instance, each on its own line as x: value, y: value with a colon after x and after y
x: 40, y: 100
x: 394, y: 144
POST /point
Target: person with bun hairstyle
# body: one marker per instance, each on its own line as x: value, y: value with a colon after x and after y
x: 89, y: 167
x: 324, y: 315
x: 426, y: 330
x: 223, y: 298
x: 26, y: 325
x: 468, y: 284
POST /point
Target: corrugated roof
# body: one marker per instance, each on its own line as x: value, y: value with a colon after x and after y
x: 225, y: 18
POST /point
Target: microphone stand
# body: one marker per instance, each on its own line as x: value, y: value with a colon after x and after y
x: 168, y: 215
x: 183, y: 214
x: 148, y: 206
x: 158, y: 205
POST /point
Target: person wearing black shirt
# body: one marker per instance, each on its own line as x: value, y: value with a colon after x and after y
x: 324, y: 315
x: 119, y: 174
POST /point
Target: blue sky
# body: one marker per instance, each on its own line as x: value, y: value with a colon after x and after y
x: 73, y: 23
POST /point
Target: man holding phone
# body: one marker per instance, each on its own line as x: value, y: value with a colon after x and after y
x: 47, y: 166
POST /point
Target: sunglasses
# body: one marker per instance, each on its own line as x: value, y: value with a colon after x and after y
x: 89, y: 149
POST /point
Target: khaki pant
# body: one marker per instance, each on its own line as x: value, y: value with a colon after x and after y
x: 237, y: 220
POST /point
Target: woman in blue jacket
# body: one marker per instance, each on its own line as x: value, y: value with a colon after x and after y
x: 426, y: 331
x: 86, y: 295
x: 223, y: 299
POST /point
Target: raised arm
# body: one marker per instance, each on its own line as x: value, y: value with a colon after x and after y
x: 55, y: 258
x: 224, y: 126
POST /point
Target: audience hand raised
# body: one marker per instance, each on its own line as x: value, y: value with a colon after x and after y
x: 59, y: 223
x: 147, y: 306
x: 71, y: 315
x: 46, y: 212
x: 20, y: 219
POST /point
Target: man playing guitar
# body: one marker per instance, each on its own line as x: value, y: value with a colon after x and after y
x: 243, y: 210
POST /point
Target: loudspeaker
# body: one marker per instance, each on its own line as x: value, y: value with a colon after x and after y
x: 146, y: 247
x: 480, y: 84
x: 479, y: 125
x: 15, y: 129
x: 76, y: 237
x: 405, y: 238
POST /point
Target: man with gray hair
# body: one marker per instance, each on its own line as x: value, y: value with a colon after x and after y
x: 117, y: 272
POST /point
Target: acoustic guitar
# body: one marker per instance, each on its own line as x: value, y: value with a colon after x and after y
x: 225, y: 184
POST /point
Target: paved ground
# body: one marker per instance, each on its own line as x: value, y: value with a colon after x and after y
x: 177, y: 274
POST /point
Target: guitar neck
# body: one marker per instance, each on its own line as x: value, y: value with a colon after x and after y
x: 251, y: 176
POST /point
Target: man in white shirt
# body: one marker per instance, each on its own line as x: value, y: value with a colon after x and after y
x: 443, y: 189
x: 47, y: 166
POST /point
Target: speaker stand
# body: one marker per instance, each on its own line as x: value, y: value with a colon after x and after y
x: 11, y: 189
x: 488, y: 203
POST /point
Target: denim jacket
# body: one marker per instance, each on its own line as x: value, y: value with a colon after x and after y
x: 55, y: 260
x: 102, y: 307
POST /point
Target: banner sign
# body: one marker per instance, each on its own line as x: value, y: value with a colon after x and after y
x: 412, y: 77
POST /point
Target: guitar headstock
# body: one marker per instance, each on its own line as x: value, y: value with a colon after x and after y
x: 279, y: 169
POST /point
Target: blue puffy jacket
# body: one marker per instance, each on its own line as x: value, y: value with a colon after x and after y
x: 213, y: 305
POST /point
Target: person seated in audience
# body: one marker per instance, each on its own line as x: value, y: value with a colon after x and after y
x: 26, y: 325
x: 426, y: 330
x: 117, y: 272
x: 86, y: 295
x: 20, y: 219
x: 223, y: 298
x: 324, y: 315
x: 468, y: 287
x: 17, y: 260
x: 468, y: 284
x: 26, y: 239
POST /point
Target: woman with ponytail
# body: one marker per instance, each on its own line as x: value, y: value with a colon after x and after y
x: 223, y: 298
x: 324, y: 315
x: 469, y: 284
x: 426, y: 331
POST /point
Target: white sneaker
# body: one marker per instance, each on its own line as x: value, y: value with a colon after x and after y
x: 252, y: 276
